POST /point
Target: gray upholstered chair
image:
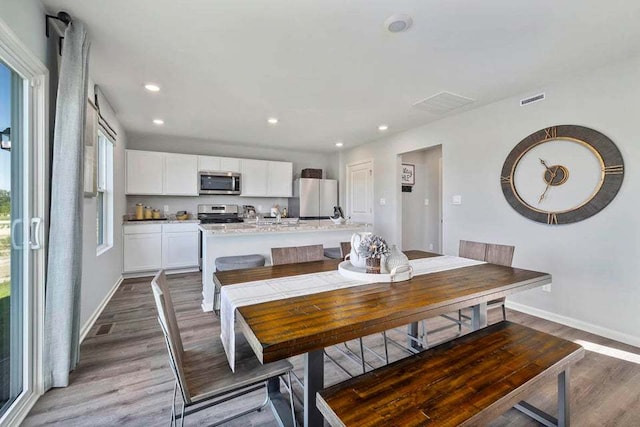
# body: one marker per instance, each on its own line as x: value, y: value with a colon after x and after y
x: 338, y: 253
x: 202, y: 373
x: 296, y: 254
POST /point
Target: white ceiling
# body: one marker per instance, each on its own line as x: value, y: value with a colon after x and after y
x: 327, y: 69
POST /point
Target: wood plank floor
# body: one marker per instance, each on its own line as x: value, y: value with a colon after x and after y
x: 124, y: 376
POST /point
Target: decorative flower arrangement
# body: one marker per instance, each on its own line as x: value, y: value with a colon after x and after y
x: 373, y: 247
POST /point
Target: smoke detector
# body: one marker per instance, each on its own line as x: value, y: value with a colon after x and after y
x: 398, y: 23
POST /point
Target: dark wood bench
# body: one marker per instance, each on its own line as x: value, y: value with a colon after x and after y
x: 468, y: 381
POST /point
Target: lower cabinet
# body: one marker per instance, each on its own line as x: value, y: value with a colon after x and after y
x: 179, y: 248
x: 149, y: 247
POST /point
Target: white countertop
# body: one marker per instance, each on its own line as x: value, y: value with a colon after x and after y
x: 301, y: 227
x: 161, y: 221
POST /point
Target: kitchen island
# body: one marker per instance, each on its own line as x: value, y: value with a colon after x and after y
x: 220, y: 240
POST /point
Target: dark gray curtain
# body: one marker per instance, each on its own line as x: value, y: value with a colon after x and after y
x: 64, y: 269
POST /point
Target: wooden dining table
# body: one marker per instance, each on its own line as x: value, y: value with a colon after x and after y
x: 305, y: 325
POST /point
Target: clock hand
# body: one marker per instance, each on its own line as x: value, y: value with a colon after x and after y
x: 545, y: 165
x: 553, y: 175
x: 544, y: 194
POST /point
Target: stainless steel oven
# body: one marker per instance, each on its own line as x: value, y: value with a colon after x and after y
x: 212, y: 182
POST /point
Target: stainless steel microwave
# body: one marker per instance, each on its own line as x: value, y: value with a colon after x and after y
x: 214, y: 182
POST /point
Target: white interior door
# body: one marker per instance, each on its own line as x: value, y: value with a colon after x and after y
x: 360, y: 191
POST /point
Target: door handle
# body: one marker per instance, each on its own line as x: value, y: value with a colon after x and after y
x: 34, y: 233
x: 14, y: 244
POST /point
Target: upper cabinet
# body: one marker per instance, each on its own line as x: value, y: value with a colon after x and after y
x: 180, y: 175
x: 145, y: 172
x: 262, y: 178
x: 213, y: 163
x: 279, y: 179
x: 229, y: 164
x: 172, y: 174
x: 208, y: 163
x: 155, y: 173
x: 254, y: 178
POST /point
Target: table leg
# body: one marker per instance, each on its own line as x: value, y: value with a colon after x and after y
x: 479, y: 316
x: 279, y: 404
x: 413, y: 331
x: 313, y: 383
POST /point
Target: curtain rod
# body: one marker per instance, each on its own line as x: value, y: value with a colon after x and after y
x: 63, y: 17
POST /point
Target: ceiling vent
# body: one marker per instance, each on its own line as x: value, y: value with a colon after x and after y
x: 442, y: 103
x: 532, y: 99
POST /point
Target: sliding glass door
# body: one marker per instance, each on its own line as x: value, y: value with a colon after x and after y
x: 12, y: 247
x: 23, y: 129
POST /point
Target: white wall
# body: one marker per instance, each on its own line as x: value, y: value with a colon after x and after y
x: 420, y: 222
x: 300, y: 159
x: 594, y: 263
x: 101, y: 273
x: 26, y: 19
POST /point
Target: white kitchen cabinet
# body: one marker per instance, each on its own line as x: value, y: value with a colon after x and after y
x: 180, y: 175
x: 254, y: 178
x: 208, y: 163
x: 224, y: 164
x: 142, y: 247
x: 145, y: 172
x: 230, y: 164
x: 179, y: 246
x: 279, y: 179
x: 149, y: 247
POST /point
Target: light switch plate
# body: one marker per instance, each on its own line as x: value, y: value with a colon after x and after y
x: 166, y: 208
x: 383, y: 201
x: 426, y: 202
x: 456, y: 200
x: 546, y: 288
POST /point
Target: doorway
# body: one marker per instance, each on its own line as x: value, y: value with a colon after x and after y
x: 422, y: 201
x: 360, y: 191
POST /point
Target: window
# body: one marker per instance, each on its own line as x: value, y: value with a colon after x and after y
x: 104, y: 198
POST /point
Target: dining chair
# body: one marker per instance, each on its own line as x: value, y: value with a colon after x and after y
x: 202, y: 373
x: 345, y: 249
x: 296, y: 254
x: 500, y: 255
x: 488, y: 252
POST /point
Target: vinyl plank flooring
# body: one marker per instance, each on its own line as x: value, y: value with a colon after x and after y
x: 124, y: 377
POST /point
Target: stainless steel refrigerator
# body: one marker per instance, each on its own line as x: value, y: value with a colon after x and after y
x: 313, y: 198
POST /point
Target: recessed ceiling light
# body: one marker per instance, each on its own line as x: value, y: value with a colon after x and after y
x: 272, y: 121
x: 398, y: 23
x: 158, y: 122
x: 339, y: 144
x: 383, y: 127
x: 152, y: 87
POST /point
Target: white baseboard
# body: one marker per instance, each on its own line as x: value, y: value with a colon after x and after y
x: 89, y: 323
x: 153, y: 273
x: 575, y: 323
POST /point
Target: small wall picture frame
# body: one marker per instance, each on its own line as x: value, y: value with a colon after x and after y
x: 408, y: 176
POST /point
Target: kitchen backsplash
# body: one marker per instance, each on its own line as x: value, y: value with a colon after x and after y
x: 190, y: 204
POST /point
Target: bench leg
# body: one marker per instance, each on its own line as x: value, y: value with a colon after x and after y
x: 313, y: 383
x: 563, y: 405
x: 563, y: 399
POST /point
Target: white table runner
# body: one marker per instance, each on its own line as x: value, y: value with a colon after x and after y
x: 259, y: 291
